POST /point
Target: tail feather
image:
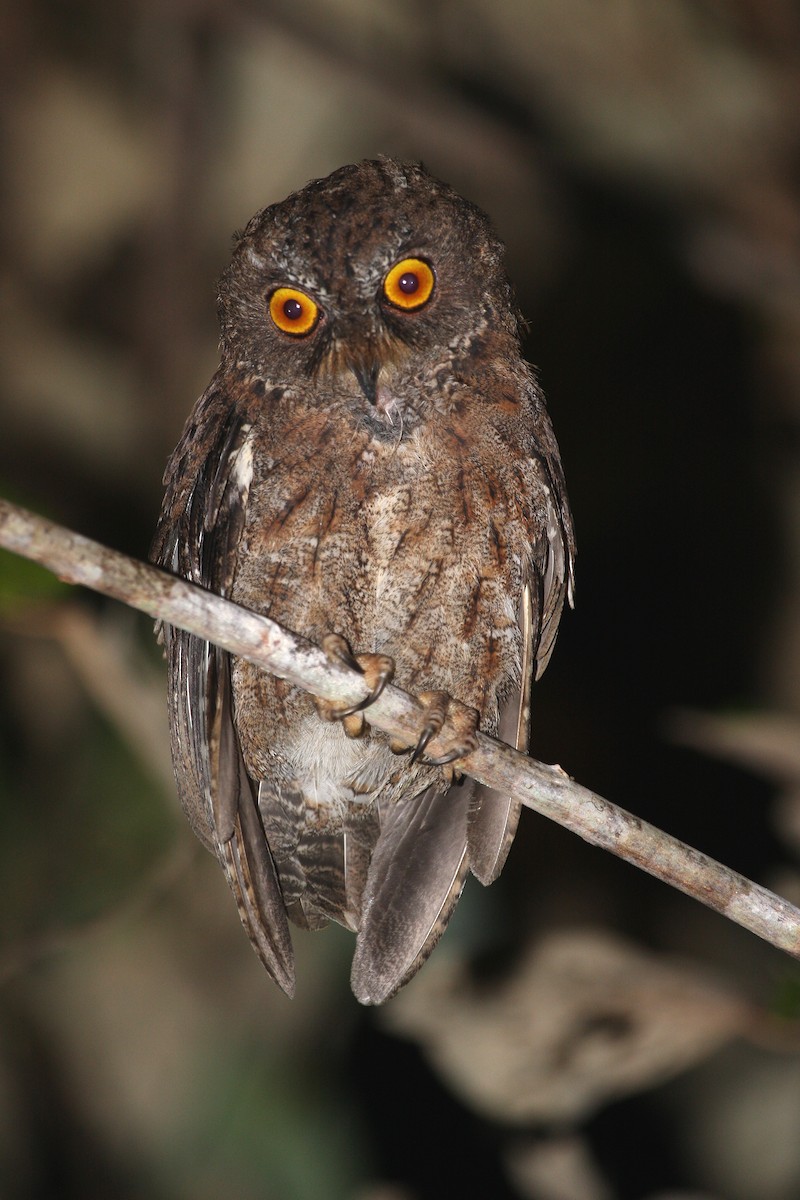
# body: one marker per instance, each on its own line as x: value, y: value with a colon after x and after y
x: 414, y: 881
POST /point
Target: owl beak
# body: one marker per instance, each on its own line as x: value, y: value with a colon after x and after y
x: 367, y: 376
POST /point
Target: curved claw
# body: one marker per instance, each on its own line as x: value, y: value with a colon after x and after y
x: 337, y: 650
x: 377, y: 670
x: 444, y: 759
x: 381, y: 670
x: 438, y: 706
x: 419, y: 749
x: 435, y: 705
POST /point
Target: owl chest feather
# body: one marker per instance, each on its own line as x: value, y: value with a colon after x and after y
x: 402, y: 549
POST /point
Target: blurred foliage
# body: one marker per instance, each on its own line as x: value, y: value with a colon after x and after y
x: 23, y: 583
x: 640, y: 162
x: 786, y: 997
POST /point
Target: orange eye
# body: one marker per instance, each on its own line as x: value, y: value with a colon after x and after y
x: 293, y: 311
x: 409, y: 284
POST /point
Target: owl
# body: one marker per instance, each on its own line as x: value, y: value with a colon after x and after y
x: 373, y: 467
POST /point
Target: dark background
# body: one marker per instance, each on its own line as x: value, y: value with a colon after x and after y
x: 641, y: 163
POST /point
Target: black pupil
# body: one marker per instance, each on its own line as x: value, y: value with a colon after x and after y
x: 408, y: 283
x: 292, y: 310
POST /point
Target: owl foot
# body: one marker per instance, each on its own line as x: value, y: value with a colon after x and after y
x: 377, y: 670
x: 436, y: 706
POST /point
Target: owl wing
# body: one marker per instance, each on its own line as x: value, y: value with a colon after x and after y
x: 553, y: 560
x: 197, y: 537
x: 550, y: 581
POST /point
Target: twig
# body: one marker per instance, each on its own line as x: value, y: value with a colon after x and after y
x: 546, y: 789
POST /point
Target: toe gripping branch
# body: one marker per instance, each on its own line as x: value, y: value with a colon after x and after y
x: 435, y: 709
x: 377, y: 670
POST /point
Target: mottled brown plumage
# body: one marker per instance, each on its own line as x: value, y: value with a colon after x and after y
x: 387, y: 473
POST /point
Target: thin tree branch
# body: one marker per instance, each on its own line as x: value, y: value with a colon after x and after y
x: 546, y: 789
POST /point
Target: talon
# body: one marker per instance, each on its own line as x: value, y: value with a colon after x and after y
x: 377, y: 670
x: 435, y: 705
x: 452, y: 756
x: 337, y: 651
x: 438, y: 706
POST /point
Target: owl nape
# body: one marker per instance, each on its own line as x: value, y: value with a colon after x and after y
x: 372, y: 465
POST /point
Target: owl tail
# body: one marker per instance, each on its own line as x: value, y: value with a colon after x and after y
x: 415, y: 878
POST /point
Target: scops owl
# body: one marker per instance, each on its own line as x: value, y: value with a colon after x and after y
x: 373, y: 467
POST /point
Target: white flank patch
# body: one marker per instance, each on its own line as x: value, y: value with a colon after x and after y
x: 326, y: 762
x: 242, y: 465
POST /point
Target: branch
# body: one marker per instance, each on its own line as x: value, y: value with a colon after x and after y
x: 546, y: 789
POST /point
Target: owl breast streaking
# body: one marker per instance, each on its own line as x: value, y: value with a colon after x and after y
x: 373, y: 467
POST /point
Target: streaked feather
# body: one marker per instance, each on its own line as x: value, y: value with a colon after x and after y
x: 253, y: 880
x: 198, y: 536
x: 494, y: 815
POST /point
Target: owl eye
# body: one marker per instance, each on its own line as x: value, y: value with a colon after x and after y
x: 293, y: 311
x: 409, y: 284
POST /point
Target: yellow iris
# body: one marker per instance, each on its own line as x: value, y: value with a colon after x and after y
x: 293, y: 311
x: 409, y: 284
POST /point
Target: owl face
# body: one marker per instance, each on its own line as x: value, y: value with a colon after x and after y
x: 359, y: 284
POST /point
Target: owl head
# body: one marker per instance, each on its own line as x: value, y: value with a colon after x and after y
x: 363, y: 285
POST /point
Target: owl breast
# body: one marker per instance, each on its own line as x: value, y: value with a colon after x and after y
x: 401, y: 550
